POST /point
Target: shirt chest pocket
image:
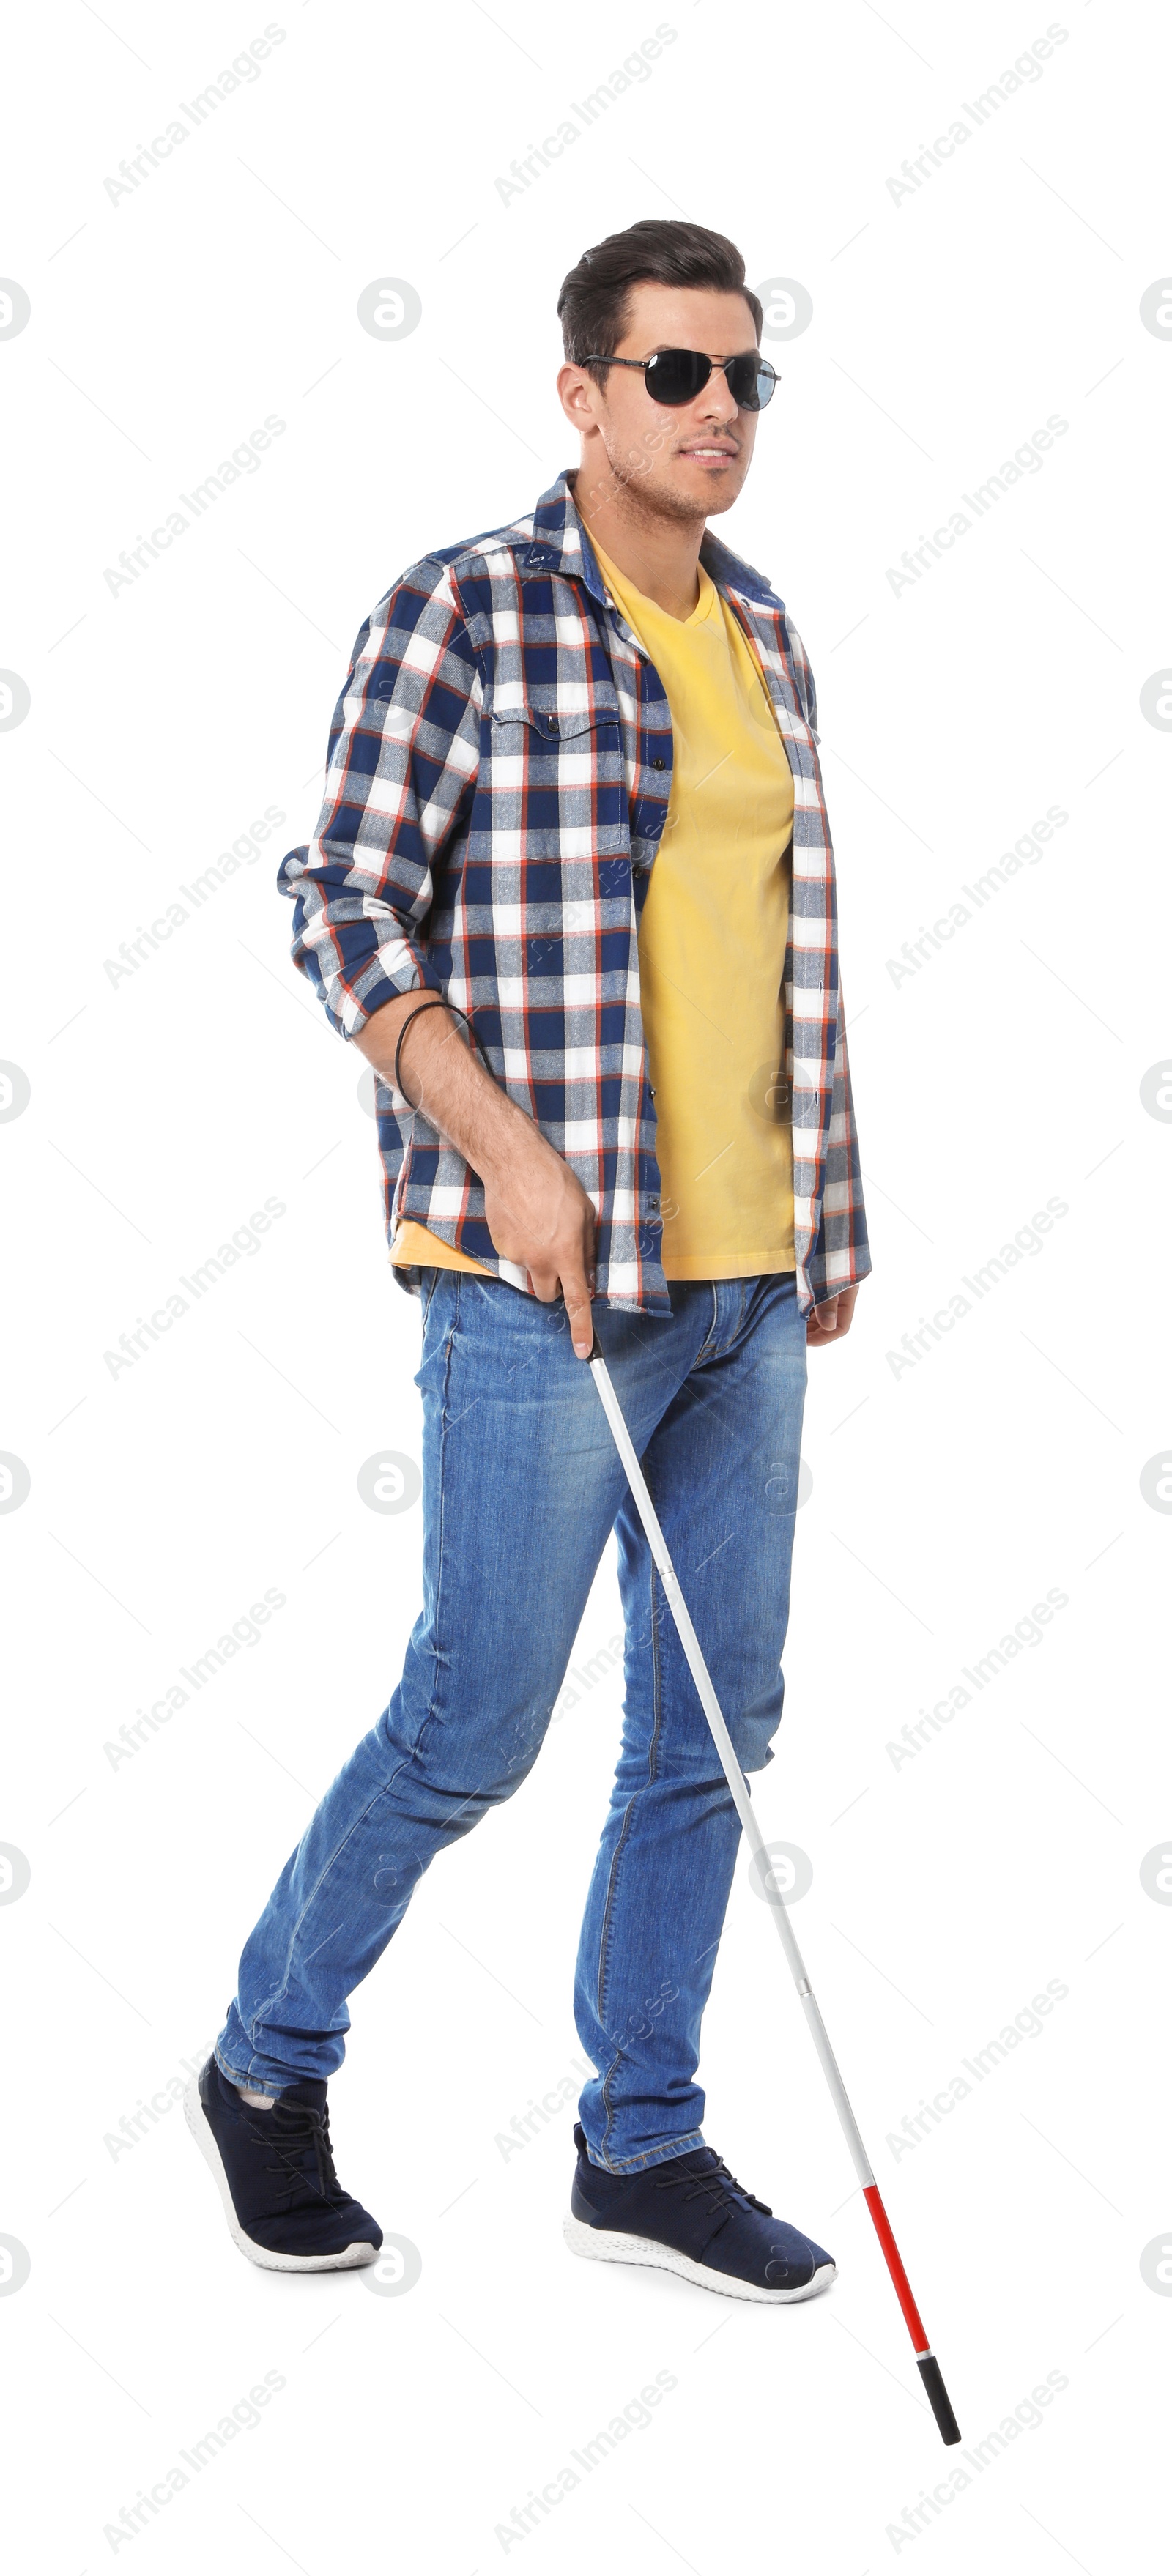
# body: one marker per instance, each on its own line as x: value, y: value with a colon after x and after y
x: 521, y: 722
x: 553, y: 770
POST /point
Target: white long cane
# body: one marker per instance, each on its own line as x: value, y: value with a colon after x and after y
x: 926, y: 2362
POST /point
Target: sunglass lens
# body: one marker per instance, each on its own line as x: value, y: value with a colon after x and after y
x: 750, y: 382
x: 676, y: 376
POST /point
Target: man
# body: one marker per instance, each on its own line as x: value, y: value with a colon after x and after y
x: 573, y: 807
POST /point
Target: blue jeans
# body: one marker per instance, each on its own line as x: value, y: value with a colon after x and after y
x: 521, y: 1487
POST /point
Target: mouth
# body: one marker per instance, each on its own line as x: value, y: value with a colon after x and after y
x: 708, y: 452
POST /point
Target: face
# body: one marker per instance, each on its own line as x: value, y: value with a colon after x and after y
x: 681, y: 465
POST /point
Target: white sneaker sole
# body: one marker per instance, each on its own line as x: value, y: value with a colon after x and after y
x: 602, y: 2245
x: 349, y: 2260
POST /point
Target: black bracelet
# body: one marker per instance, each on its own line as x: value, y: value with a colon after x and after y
x: 437, y: 1003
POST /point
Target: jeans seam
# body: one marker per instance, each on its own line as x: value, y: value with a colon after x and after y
x: 437, y: 1658
x: 711, y: 1350
x: 236, y: 2076
x: 707, y: 1348
x: 611, y: 1888
x: 611, y: 2072
x: 657, y: 2155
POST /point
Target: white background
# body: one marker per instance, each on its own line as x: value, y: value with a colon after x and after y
x: 947, y: 1499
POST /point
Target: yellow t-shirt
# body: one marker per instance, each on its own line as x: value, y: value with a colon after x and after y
x: 712, y: 942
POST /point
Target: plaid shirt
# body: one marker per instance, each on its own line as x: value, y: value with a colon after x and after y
x: 499, y: 770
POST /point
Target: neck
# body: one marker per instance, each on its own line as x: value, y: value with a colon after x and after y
x: 659, y: 555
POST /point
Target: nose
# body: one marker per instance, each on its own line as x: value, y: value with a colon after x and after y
x: 716, y: 402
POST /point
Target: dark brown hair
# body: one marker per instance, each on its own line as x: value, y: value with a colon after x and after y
x: 595, y: 298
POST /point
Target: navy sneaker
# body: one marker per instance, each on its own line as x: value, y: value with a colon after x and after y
x: 285, y: 2206
x: 689, y: 2216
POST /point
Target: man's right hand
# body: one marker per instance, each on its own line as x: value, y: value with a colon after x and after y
x: 539, y: 1216
x: 536, y: 1209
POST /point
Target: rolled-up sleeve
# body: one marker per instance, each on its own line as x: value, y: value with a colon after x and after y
x: 402, y: 765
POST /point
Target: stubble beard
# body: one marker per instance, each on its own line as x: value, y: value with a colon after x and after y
x: 644, y: 503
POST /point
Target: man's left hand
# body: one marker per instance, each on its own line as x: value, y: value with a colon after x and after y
x: 829, y: 1322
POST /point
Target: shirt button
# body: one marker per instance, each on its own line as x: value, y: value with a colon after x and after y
x: 659, y: 764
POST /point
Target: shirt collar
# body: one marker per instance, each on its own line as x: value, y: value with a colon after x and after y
x: 560, y: 543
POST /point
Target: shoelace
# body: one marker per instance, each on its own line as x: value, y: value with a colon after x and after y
x: 722, y: 2189
x: 303, y: 2148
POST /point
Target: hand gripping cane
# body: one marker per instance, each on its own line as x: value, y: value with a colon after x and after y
x: 926, y: 2362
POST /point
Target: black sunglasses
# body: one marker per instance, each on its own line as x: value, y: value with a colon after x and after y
x: 675, y: 376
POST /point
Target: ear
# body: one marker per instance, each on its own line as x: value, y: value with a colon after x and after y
x: 581, y: 399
